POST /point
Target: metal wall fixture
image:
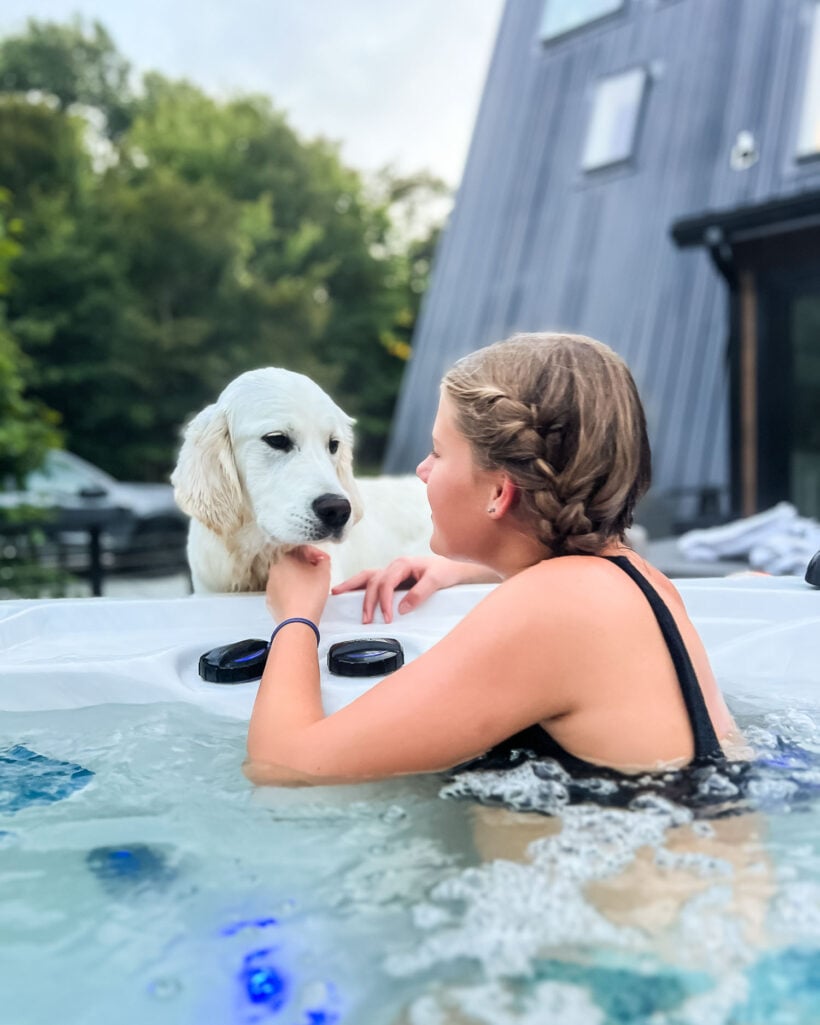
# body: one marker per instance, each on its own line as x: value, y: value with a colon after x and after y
x: 744, y: 152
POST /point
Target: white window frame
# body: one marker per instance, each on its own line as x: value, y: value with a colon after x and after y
x: 808, y: 135
x: 600, y: 149
x: 546, y: 33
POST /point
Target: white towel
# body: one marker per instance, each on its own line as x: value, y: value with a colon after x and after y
x: 737, y: 539
x: 790, y: 551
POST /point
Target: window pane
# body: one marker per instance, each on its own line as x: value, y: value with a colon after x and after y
x: 805, y: 446
x: 808, y: 142
x: 614, y: 122
x: 564, y: 15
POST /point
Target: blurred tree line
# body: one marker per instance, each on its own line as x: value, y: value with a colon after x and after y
x: 155, y: 242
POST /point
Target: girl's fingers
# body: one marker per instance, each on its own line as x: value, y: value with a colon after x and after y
x: 396, y: 574
x: 355, y: 583
x: 417, y: 594
x: 380, y: 586
x: 379, y: 591
x: 370, y: 595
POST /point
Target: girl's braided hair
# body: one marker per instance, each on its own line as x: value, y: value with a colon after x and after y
x: 561, y: 416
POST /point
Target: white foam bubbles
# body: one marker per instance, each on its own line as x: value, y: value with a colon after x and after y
x: 504, y: 914
x: 493, y: 1003
x: 518, y: 788
x: 795, y: 911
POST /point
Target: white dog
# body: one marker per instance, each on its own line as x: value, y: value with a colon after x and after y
x: 267, y: 467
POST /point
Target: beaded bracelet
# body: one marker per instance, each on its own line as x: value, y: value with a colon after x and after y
x: 296, y: 619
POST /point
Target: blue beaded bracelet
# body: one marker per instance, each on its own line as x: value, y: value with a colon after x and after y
x: 296, y: 619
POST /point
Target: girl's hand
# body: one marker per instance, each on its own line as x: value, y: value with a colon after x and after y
x: 423, y: 575
x: 299, y: 584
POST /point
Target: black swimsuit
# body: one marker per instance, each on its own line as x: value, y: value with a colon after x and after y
x: 710, y: 786
x: 535, y: 742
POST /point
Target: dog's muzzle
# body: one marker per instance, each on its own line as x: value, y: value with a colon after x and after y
x: 333, y: 512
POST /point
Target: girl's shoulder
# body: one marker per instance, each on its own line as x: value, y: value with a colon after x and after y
x: 565, y: 590
x: 583, y: 574
x: 584, y: 588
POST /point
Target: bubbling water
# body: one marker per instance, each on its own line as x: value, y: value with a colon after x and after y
x: 165, y: 888
x: 545, y: 928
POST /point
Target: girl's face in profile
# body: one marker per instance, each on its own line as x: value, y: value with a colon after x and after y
x: 459, y: 492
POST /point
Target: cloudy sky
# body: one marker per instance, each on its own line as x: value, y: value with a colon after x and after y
x: 394, y: 81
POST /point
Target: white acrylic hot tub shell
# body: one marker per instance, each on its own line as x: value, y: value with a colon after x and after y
x: 762, y: 635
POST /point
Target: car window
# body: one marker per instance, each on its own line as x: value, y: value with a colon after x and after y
x: 60, y: 473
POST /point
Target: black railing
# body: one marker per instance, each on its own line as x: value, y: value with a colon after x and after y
x: 46, y: 548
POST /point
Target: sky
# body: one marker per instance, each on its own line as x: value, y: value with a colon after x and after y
x: 395, y: 82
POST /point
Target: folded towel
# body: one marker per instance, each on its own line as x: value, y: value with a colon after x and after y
x: 736, y: 539
x: 776, y: 541
x: 789, y: 552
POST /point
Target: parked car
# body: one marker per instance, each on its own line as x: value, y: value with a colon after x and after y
x: 140, y: 526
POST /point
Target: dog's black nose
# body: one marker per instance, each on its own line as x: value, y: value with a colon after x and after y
x: 332, y: 510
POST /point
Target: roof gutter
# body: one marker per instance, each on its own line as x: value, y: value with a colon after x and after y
x: 720, y: 231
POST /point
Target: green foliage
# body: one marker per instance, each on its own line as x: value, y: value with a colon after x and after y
x: 39, y: 152
x: 185, y: 241
x: 27, y: 428
x: 73, y: 65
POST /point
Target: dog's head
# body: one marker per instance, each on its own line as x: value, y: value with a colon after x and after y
x: 274, y: 450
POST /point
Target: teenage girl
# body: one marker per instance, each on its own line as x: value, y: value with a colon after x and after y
x: 584, y: 652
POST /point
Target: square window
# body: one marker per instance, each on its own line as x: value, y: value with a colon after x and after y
x: 808, y: 140
x: 613, y: 126
x: 562, y: 16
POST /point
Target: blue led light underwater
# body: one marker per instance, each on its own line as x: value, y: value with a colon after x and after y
x: 788, y: 755
x: 271, y: 990
x: 123, y: 869
x: 262, y: 981
x: 321, y: 1017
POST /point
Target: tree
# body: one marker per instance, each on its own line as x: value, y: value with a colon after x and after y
x: 27, y: 431
x: 27, y: 428
x: 71, y: 64
x: 213, y: 239
x: 40, y: 152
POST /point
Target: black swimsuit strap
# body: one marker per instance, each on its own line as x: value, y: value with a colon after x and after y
x: 707, y: 745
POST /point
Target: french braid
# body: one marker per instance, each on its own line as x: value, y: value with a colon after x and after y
x: 560, y: 414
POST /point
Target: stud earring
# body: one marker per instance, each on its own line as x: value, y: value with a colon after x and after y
x: 491, y: 511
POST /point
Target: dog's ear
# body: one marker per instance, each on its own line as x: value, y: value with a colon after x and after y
x: 206, y: 484
x: 347, y: 480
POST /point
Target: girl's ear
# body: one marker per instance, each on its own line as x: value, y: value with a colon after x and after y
x: 503, y: 498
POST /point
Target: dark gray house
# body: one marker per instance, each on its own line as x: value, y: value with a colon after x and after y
x: 648, y: 172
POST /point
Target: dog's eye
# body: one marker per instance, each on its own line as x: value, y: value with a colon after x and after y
x: 280, y: 442
x: 333, y: 446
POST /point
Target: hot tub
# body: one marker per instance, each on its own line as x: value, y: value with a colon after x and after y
x: 143, y: 879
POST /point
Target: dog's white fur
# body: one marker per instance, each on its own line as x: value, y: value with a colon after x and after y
x: 249, y: 502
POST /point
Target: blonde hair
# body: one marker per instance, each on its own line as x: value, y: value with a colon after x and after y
x: 561, y: 416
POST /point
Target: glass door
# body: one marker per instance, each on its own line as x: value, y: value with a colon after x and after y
x: 788, y: 388
x: 804, y: 457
